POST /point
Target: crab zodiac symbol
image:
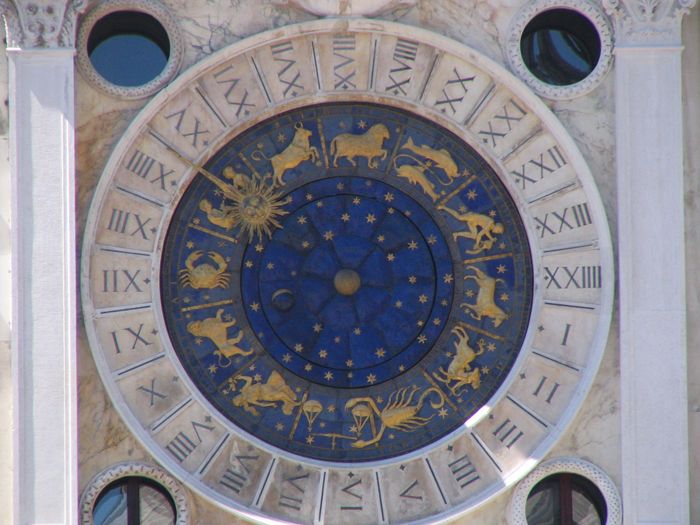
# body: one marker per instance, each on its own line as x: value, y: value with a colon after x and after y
x: 204, y: 275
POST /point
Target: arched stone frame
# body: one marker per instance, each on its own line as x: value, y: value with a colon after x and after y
x: 594, y: 14
x: 148, y: 7
x: 516, y: 509
x: 128, y: 469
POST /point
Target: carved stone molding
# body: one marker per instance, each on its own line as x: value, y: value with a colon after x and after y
x: 366, y: 8
x: 648, y: 22
x: 41, y: 23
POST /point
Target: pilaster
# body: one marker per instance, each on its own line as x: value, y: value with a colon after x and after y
x: 42, y: 177
x: 649, y: 118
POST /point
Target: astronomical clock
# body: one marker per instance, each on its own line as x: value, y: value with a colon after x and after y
x: 347, y: 273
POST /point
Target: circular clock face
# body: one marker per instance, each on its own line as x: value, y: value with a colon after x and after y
x: 360, y: 277
x: 360, y: 306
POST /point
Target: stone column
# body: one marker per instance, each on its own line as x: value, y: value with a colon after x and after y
x: 649, y: 115
x: 43, y: 244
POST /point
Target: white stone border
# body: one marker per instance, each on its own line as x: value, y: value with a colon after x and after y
x: 149, y: 7
x: 515, y: 515
x: 124, y: 470
x: 515, y: 59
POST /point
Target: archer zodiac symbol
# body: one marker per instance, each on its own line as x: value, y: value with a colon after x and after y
x: 485, y: 305
x: 368, y: 145
x: 459, y: 369
x: 216, y: 329
x: 298, y: 150
x: 398, y: 414
x: 481, y: 229
x: 440, y: 159
x: 204, y: 275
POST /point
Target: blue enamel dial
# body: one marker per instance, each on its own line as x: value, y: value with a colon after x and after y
x: 347, y: 282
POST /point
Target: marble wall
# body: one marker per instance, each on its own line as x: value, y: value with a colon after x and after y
x: 208, y: 26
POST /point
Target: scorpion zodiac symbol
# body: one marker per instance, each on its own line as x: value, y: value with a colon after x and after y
x: 398, y: 414
x: 204, y: 275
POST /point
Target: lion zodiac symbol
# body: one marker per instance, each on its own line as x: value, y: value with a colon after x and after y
x: 216, y: 329
x: 460, y: 369
x: 298, y: 150
x: 368, y: 145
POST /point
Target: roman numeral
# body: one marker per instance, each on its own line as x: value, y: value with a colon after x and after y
x: 350, y: 492
x: 343, y: 75
x: 127, y: 223
x: 192, y: 130
x: 463, y: 471
x: 241, y: 100
x: 182, y: 445
x: 552, y: 390
x: 406, y: 493
x: 535, y: 169
x: 235, y: 480
x: 405, y: 52
x: 293, y: 502
x: 121, y: 281
x: 580, y: 277
x: 502, y: 123
x: 135, y: 336
x: 286, y: 75
x: 152, y: 392
x: 140, y: 165
x: 578, y: 216
x: 567, y: 330
x: 508, y: 433
x: 448, y: 95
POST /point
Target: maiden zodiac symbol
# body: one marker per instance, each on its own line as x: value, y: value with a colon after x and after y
x: 215, y: 328
x: 485, y: 305
x: 298, y: 150
x: 368, y: 145
x: 204, y: 275
x: 398, y: 414
x: 440, y: 158
x: 268, y: 394
x: 460, y: 369
x: 479, y: 226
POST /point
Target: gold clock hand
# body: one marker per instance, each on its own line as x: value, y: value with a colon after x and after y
x: 228, y: 190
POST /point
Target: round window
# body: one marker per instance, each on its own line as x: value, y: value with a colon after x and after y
x: 134, y: 500
x: 566, y: 499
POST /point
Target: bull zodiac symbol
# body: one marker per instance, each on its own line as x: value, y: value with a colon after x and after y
x: 368, y: 145
x: 215, y: 328
x: 481, y: 229
x: 485, y: 305
x: 267, y: 394
x: 298, y: 150
x: 398, y: 414
x: 459, y: 369
x: 204, y: 275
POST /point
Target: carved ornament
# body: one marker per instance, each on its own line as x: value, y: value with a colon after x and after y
x: 648, y: 22
x: 41, y: 23
x: 366, y: 8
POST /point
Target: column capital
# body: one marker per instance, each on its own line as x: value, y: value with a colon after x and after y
x: 41, y: 23
x: 648, y: 23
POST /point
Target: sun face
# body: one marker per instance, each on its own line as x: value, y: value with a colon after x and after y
x: 256, y: 209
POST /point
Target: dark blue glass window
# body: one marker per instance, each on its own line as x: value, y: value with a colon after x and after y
x: 566, y: 499
x: 134, y: 501
x: 560, y: 47
x: 128, y: 48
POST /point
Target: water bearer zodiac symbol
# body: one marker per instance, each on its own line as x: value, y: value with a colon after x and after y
x: 398, y: 414
x: 460, y: 370
x: 480, y: 228
x: 267, y: 394
x: 298, y: 150
x: 204, y: 275
x: 216, y: 329
x: 485, y: 305
x: 368, y: 145
x: 440, y: 159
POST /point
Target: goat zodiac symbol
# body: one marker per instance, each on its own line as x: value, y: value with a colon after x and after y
x: 485, y: 305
